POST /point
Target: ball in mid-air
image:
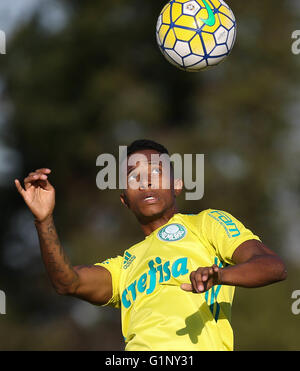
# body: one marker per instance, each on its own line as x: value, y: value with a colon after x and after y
x: 196, y: 34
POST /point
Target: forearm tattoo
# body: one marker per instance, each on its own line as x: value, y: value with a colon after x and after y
x: 57, y: 264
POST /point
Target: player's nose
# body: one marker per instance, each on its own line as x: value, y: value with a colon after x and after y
x: 144, y: 184
x: 145, y: 181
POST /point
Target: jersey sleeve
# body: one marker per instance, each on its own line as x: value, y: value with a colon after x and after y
x: 114, y: 266
x: 225, y: 233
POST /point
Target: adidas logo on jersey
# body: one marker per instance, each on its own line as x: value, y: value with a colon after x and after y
x: 128, y: 259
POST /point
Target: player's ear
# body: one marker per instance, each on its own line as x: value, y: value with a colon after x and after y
x: 178, y: 186
x: 124, y: 199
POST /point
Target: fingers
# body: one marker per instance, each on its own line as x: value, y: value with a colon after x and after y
x: 215, y: 268
x: 38, y: 178
x: 38, y: 174
x: 208, y: 272
x: 43, y: 171
x: 34, y: 176
x: 193, y: 281
x: 186, y: 287
x: 202, y: 279
x: 20, y: 189
x: 196, y: 284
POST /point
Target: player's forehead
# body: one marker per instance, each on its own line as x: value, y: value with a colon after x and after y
x: 146, y: 157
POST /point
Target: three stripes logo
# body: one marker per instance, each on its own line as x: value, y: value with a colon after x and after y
x: 128, y: 259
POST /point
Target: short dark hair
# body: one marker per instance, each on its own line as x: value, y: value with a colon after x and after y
x: 141, y: 144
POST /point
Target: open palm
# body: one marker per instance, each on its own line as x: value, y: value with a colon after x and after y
x: 38, y: 193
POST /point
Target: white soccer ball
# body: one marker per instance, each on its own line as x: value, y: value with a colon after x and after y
x: 196, y: 34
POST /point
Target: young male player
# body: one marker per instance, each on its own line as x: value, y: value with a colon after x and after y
x: 175, y: 288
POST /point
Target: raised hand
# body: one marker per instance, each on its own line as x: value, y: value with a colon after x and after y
x: 38, y: 193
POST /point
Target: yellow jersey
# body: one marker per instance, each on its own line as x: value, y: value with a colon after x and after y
x: 156, y: 313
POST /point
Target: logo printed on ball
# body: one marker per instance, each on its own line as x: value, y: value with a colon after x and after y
x: 211, y: 20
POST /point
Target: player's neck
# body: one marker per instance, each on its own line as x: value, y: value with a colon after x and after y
x: 152, y: 223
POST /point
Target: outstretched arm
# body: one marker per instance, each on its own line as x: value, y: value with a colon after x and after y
x: 255, y: 266
x: 90, y: 283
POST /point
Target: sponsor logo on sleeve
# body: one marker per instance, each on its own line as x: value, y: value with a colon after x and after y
x: 225, y: 220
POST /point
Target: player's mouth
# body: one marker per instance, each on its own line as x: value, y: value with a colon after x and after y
x: 150, y: 198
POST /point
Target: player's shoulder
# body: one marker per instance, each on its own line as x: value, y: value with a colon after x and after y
x: 133, y: 250
x: 196, y: 217
x: 122, y: 259
x: 207, y: 216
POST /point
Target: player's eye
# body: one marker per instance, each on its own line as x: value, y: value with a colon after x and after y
x: 132, y: 177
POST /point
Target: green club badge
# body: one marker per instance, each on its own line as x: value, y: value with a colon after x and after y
x: 171, y: 232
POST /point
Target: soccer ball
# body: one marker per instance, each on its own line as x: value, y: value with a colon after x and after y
x: 196, y: 34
